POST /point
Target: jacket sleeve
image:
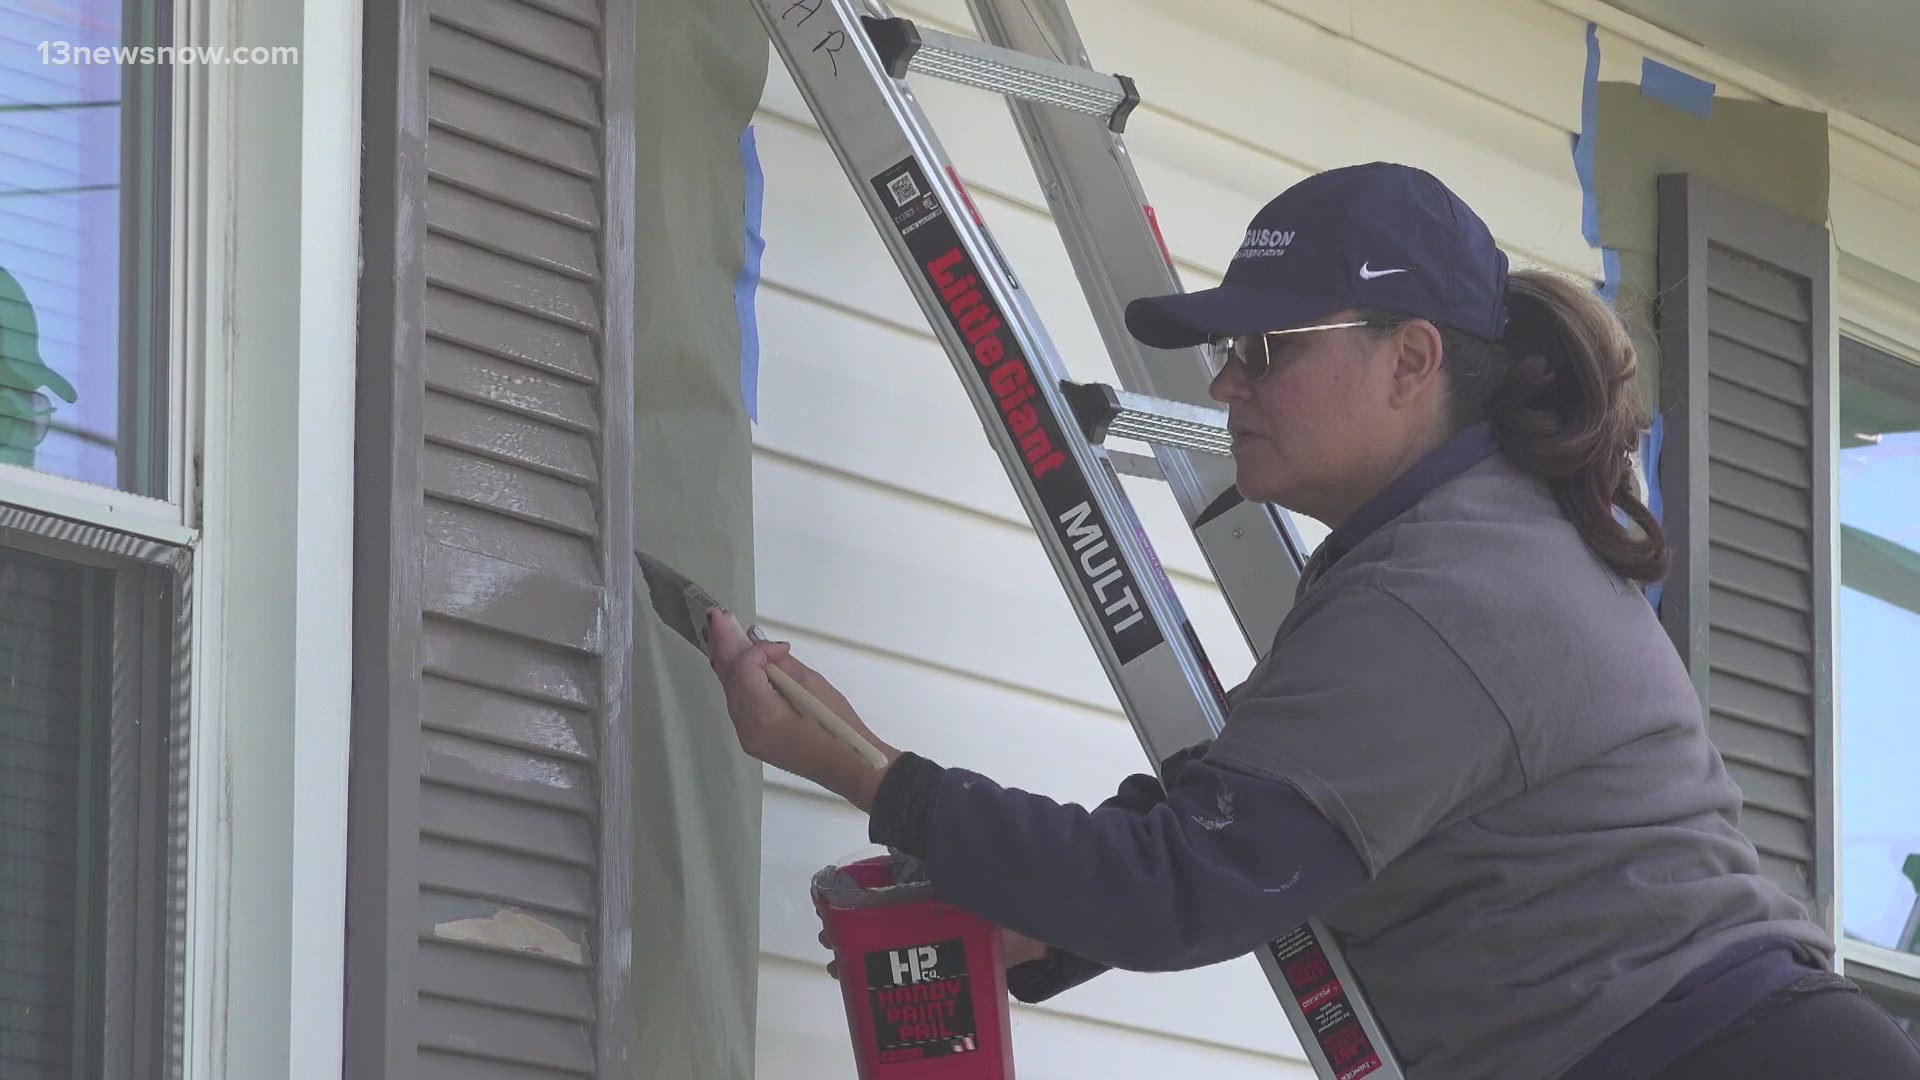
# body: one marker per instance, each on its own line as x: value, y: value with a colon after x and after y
x: 1227, y: 860
x: 1059, y: 971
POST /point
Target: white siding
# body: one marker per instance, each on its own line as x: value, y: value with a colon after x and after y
x: 891, y: 548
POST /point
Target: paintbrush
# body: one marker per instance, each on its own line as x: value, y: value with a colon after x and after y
x: 683, y: 606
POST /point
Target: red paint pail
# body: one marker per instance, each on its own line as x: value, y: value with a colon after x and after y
x: 924, y: 983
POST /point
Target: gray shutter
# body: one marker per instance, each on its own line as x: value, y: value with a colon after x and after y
x: 1746, y: 377
x: 488, y: 874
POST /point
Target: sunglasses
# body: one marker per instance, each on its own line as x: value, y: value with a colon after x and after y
x: 1254, y: 352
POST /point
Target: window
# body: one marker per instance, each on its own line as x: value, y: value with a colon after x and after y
x: 92, y: 666
x: 84, y: 206
x: 1879, y: 635
x: 90, y: 830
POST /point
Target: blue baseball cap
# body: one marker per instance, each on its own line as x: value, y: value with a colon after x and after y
x: 1379, y: 236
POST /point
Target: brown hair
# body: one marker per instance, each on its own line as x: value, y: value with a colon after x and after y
x: 1559, y: 391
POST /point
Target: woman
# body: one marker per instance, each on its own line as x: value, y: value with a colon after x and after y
x: 1471, y: 749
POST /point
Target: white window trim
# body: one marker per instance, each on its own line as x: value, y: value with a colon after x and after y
x: 1870, y: 322
x: 199, y: 109
x: 1899, y: 963
x: 329, y: 298
x: 269, y: 336
x: 95, y: 505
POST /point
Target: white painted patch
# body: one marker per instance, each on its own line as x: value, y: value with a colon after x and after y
x: 1291, y: 882
x: 1214, y: 824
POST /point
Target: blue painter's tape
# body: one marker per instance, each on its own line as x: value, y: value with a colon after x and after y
x: 748, y: 284
x: 1676, y: 88
x: 1650, y: 458
x: 1583, y: 148
x: 1583, y: 144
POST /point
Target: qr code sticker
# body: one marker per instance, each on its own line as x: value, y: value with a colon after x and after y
x: 903, y: 189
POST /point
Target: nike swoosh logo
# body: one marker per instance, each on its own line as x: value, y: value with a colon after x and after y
x: 1369, y: 275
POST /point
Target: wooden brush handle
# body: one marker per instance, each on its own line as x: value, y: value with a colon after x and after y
x: 812, y: 707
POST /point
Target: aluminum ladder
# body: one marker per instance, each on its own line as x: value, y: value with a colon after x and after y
x: 850, y: 60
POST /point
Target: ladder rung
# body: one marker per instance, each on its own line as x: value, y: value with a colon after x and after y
x: 904, y: 47
x: 1104, y: 412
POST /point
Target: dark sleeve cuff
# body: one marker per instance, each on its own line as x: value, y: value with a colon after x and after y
x: 902, y: 811
x: 1058, y: 971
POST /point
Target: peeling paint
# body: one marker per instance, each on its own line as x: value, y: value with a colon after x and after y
x: 510, y: 929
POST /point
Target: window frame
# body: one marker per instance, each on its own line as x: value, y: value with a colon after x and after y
x: 142, y: 912
x: 148, y: 294
x: 147, y: 302
x: 148, y: 297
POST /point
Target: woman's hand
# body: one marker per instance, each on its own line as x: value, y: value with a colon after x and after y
x: 774, y: 731
x: 1019, y: 949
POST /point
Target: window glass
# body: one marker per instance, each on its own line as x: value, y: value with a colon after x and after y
x: 1879, y: 639
x: 82, y: 203
x: 51, y: 850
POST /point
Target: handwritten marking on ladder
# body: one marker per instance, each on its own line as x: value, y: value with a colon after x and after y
x: 831, y: 43
x: 839, y: 41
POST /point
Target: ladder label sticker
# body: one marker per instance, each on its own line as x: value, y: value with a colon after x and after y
x: 1028, y: 419
x: 922, y: 1002
x: 1315, y: 986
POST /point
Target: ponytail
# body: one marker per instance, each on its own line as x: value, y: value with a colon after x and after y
x: 1559, y: 392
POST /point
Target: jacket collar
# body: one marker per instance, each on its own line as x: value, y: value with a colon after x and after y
x: 1466, y: 448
